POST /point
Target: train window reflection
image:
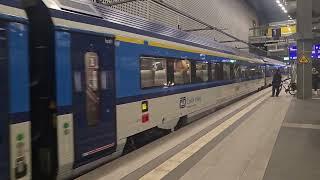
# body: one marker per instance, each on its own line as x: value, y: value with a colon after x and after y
x: 182, y: 72
x: 153, y: 72
x: 226, y: 71
x: 202, y: 72
x: 92, y: 88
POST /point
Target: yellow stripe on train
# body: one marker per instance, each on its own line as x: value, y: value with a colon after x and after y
x: 179, y: 48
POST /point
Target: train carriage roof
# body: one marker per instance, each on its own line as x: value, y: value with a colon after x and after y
x: 117, y: 19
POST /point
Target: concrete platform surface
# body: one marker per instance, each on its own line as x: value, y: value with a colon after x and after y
x: 257, y: 138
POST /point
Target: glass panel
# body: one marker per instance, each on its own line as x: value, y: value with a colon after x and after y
x: 92, y: 88
x: 244, y: 74
x: 153, y: 72
x: 236, y: 72
x: 214, y: 72
x: 202, y: 72
x: 182, y: 72
x: 226, y: 71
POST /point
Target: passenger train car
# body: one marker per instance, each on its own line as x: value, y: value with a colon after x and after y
x: 15, y: 155
x: 92, y: 80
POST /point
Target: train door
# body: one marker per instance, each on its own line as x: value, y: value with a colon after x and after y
x: 92, y: 59
x: 15, y: 156
x: 4, y: 103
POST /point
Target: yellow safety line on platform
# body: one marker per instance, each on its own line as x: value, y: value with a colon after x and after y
x: 169, y: 165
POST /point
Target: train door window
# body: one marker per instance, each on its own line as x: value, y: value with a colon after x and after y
x: 182, y: 72
x: 202, y: 72
x: 153, y: 72
x: 92, y: 88
x: 226, y: 71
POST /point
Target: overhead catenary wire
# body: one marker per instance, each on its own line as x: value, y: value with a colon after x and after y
x: 187, y: 15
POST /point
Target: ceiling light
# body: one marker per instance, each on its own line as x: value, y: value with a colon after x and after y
x: 278, y: 1
x: 285, y: 11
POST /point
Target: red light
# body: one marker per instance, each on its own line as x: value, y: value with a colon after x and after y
x: 145, y: 118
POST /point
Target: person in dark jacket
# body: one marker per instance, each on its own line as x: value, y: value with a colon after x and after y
x: 315, y: 80
x: 276, y: 82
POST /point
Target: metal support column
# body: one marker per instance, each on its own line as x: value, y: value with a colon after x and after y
x: 304, y: 40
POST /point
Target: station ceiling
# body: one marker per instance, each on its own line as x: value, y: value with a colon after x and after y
x: 268, y: 10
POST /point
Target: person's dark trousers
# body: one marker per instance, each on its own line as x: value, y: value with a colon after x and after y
x: 275, y: 90
x: 315, y: 85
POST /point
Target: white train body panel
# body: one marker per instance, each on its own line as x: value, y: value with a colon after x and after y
x: 166, y: 110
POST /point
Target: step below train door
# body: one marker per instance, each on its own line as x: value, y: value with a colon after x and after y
x: 92, y: 59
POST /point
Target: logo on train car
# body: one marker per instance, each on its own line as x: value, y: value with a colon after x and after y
x: 183, y: 102
x: 189, y: 101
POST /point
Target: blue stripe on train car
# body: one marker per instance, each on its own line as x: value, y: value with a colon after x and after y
x: 18, y: 69
x: 63, y: 72
x: 13, y: 3
x: 128, y: 72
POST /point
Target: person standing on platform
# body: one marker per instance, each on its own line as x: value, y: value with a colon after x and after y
x: 315, y: 80
x: 276, y: 82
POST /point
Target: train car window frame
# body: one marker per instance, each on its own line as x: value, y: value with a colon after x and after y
x: 153, y: 69
x: 195, y: 78
x: 184, y: 69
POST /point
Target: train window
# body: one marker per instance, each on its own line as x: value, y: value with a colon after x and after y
x: 244, y: 73
x: 236, y: 73
x: 214, y: 72
x: 153, y: 72
x: 182, y: 72
x: 226, y: 71
x: 92, y: 88
x: 202, y: 72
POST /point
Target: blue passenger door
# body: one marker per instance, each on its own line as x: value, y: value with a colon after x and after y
x: 4, y: 103
x: 93, y: 96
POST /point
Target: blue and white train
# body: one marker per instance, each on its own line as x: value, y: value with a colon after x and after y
x: 89, y: 78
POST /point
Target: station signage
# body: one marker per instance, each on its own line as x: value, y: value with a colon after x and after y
x: 293, y: 51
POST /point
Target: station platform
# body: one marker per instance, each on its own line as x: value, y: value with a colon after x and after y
x: 258, y: 138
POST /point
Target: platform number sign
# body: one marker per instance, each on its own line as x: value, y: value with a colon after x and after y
x: 183, y: 102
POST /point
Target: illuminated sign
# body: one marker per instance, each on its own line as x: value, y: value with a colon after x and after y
x: 293, y: 51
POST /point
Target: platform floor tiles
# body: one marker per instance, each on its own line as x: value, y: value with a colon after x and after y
x: 257, y: 138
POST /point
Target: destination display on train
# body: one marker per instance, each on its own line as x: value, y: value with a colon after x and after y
x: 293, y: 51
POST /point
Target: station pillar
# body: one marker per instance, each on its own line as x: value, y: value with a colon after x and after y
x: 304, y: 44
